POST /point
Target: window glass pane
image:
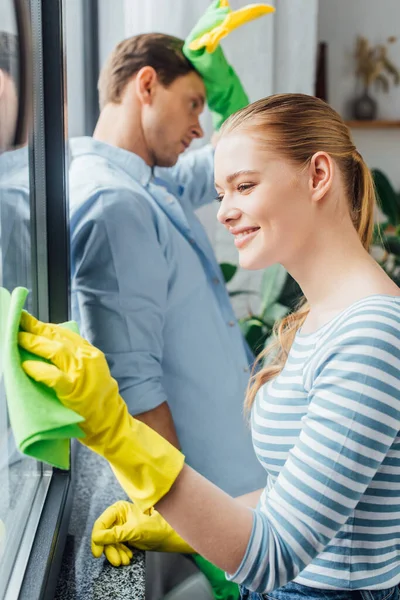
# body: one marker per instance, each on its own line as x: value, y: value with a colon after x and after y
x: 19, y: 476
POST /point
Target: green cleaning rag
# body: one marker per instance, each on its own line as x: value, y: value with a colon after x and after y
x: 42, y: 426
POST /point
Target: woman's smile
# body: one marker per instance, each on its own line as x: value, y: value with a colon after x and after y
x: 244, y: 236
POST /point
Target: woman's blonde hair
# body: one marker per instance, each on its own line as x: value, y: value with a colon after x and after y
x: 296, y: 126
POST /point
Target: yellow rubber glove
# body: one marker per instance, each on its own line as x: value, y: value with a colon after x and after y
x: 145, y: 464
x: 122, y: 524
x: 233, y: 19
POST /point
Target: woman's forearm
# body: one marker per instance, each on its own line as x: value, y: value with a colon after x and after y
x: 216, y: 525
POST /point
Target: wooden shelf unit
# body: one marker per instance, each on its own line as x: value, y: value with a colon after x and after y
x: 375, y: 124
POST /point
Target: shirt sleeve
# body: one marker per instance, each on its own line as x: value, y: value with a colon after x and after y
x: 194, y: 172
x: 120, y: 283
x: 352, y: 421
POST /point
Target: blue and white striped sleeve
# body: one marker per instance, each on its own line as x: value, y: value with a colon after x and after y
x: 352, y: 420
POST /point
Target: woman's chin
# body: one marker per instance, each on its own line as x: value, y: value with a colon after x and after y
x: 254, y: 262
x: 250, y: 263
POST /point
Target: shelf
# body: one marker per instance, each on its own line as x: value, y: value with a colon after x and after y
x: 375, y: 124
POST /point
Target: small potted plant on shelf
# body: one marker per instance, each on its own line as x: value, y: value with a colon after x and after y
x: 373, y: 66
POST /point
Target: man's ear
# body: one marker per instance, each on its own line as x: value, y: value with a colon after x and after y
x: 321, y: 172
x: 146, y: 81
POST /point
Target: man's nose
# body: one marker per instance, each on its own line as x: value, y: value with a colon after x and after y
x: 197, y: 130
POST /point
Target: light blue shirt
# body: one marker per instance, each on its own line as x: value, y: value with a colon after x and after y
x: 147, y: 290
x: 15, y: 230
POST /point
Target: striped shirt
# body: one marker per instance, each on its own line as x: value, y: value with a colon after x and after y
x: 326, y: 430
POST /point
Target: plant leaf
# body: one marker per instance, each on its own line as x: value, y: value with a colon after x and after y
x: 274, y: 313
x: 391, y: 243
x: 272, y: 284
x: 255, y: 333
x: 387, y: 197
x: 228, y: 271
x: 243, y: 293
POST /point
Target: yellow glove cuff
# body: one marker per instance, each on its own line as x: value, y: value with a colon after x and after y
x: 211, y: 39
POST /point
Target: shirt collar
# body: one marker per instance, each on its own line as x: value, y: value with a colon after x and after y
x: 128, y: 161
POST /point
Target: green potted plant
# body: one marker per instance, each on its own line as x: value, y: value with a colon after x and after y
x: 386, y: 243
x: 373, y: 66
x: 279, y: 294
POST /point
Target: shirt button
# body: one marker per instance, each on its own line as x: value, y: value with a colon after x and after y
x: 246, y: 369
x: 170, y: 199
x: 191, y: 240
x: 215, y: 280
x: 231, y: 323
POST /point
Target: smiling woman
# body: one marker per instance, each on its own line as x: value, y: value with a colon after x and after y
x: 325, y: 413
x: 302, y: 185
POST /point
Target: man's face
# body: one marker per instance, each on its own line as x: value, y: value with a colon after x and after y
x: 171, y: 121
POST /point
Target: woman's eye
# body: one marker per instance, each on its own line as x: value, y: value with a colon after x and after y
x: 219, y: 198
x: 243, y: 187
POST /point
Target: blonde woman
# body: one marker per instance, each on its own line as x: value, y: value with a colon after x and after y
x: 325, y: 408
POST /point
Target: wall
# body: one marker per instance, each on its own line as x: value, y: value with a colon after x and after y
x: 111, y: 31
x: 339, y: 23
x: 111, y: 26
x: 73, y: 24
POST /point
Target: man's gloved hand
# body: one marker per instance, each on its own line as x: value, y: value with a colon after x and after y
x: 145, y: 464
x: 122, y: 524
x: 225, y: 94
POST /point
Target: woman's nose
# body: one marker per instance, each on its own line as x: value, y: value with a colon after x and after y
x: 227, y: 215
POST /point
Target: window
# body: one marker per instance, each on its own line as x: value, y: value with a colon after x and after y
x: 34, y: 501
x: 19, y: 476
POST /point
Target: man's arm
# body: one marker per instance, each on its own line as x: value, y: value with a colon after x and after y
x: 194, y: 171
x: 120, y: 283
x: 160, y: 419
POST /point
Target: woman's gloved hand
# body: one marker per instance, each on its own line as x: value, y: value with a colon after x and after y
x: 145, y: 464
x: 225, y: 93
x: 122, y: 524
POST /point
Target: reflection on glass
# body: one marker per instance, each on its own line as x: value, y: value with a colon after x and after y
x: 19, y: 476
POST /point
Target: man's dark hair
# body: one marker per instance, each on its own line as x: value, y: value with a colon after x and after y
x: 157, y: 50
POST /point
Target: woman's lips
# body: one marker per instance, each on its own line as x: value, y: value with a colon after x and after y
x: 244, y: 237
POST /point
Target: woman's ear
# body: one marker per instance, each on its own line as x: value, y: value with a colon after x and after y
x: 321, y: 172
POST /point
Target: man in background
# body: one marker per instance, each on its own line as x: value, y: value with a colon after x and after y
x: 146, y: 287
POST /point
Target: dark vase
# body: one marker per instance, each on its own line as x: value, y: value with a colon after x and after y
x: 321, y: 80
x: 365, y: 108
